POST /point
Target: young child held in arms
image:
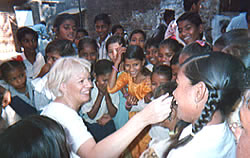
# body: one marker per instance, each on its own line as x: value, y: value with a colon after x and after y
x: 98, y: 112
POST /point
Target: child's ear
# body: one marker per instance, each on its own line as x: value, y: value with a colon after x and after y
x: 201, y: 28
x: 201, y: 92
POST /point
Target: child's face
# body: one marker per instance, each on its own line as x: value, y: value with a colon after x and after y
x: 79, y: 35
x: 157, y: 80
x: 89, y: 53
x: 51, y: 57
x: 152, y: 55
x: 102, y: 80
x: 137, y: 39
x: 101, y: 29
x: 165, y: 55
x: 113, y: 50
x: 29, y: 43
x: 17, y: 79
x: 175, y: 69
x: 119, y: 32
x: 189, y: 32
x: 67, y: 30
x: 133, y: 66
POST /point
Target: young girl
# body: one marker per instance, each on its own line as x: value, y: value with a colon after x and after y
x: 88, y: 49
x: 137, y: 37
x: 208, y: 88
x: 190, y: 27
x: 137, y: 78
x: 167, y: 49
x: 114, y: 45
x: 152, y: 52
x: 19, y: 86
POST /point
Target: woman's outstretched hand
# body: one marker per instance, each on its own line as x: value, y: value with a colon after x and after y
x: 157, y: 110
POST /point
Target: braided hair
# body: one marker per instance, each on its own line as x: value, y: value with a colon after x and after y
x: 223, y: 76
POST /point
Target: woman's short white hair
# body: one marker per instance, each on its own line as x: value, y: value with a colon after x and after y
x: 62, y: 71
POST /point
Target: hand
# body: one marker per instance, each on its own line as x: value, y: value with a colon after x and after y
x: 102, y: 88
x: 120, y: 51
x: 148, y: 97
x: 132, y: 100
x: 6, y: 98
x: 157, y: 110
x: 104, y: 119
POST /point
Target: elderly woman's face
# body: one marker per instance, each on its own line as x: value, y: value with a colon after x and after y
x: 78, y: 87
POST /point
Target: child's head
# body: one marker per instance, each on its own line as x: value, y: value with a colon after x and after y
x: 192, y: 5
x: 80, y: 33
x: 152, y: 51
x: 137, y: 37
x: 168, y: 15
x: 161, y: 75
x: 65, y: 27
x: 174, y: 63
x: 167, y: 49
x: 102, y: 25
x: 88, y: 49
x: 118, y: 30
x: 195, y: 48
x: 57, y: 49
x: 102, y: 70
x: 13, y: 72
x: 113, y: 44
x: 190, y: 27
x: 27, y: 38
x: 134, y: 60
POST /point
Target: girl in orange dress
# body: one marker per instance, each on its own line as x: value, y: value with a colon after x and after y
x: 137, y: 79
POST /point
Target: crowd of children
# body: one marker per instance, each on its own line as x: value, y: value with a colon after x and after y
x: 128, y: 73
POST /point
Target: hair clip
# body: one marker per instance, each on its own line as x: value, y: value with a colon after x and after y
x: 201, y: 43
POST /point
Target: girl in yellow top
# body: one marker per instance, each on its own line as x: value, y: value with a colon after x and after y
x: 137, y: 79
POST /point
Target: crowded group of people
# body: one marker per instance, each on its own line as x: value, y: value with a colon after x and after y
x: 173, y: 94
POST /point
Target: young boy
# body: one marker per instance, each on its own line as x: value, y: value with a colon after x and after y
x: 102, y: 107
x: 28, y: 38
x: 102, y: 27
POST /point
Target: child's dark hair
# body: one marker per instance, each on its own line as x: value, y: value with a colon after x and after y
x: 163, y: 70
x: 196, y: 48
x: 174, y: 45
x: 175, y: 59
x: 168, y: 14
x: 103, y: 17
x: 62, y: 47
x: 168, y: 87
x: 85, y: 32
x: 61, y: 18
x: 8, y: 66
x: 115, y: 39
x: 136, y: 52
x: 115, y: 27
x: 22, y: 31
x: 103, y: 67
x: 87, y: 40
x: 192, y: 17
x: 138, y: 31
x: 188, y: 4
x: 151, y: 42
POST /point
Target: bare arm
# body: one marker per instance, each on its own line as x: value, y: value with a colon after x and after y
x: 96, y: 106
x: 115, y: 144
x: 111, y: 108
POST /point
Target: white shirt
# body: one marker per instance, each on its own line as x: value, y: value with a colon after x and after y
x: 103, y: 54
x: 75, y: 129
x: 33, y: 70
x: 213, y: 141
x: 87, y: 107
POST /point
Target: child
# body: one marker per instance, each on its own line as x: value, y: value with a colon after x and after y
x: 175, y: 65
x: 167, y: 49
x: 88, y: 49
x: 19, y: 86
x: 102, y: 26
x: 80, y: 33
x: 28, y: 38
x: 118, y: 30
x: 114, y: 45
x: 152, y: 51
x: 137, y: 78
x: 137, y: 37
x: 98, y: 112
x: 54, y: 50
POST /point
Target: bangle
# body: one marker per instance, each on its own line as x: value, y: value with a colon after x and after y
x: 115, y: 68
